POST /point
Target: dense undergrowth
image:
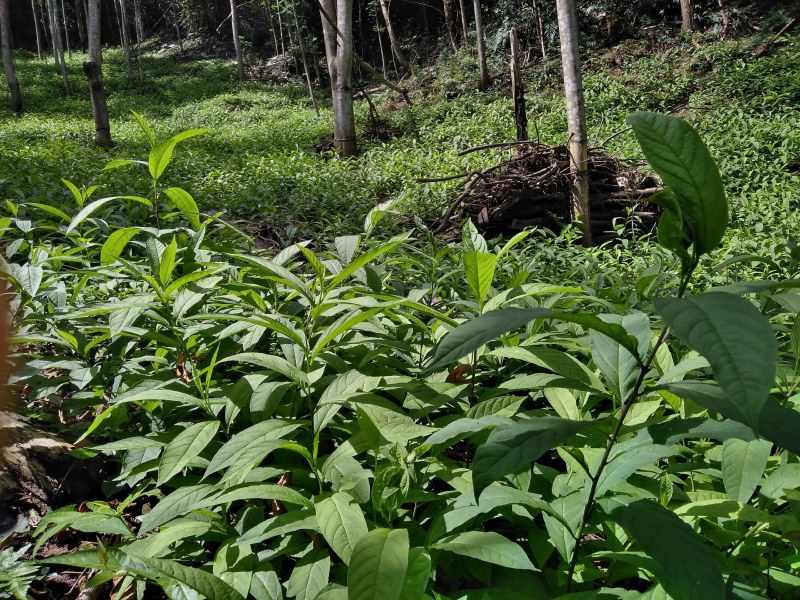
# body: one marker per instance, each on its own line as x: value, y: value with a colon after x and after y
x: 371, y: 416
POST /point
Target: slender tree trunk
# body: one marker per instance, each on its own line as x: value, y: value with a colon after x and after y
x: 38, y: 32
x: 302, y: 45
x: 518, y: 89
x: 138, y: 22
x: 237, y: 44
x: 484, y: 68
x: 687, y: 15
x: 576, y: 116
x: 380, y: 45
x: 540, y: 31
x: 8, y: 63
x: 462, y: 6
x: 394, y: 42
x: 58, y: 45
x: 80, y: 19
x: 177, y: 24
x: 337, y: 29
x: 268, y: 15
x: 44, y: 21
x: 726, y: 18
x: 126, y: 41
x: 280, y: 34
x: 94, y: 72
x: 66, y: 28
x: 447, y: 9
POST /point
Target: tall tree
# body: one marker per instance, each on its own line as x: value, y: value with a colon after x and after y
x: 687, y: 15
x: 237, y: 43
x: 337, y: 30
x: 8, y: 63
x: 38, y: 33
x: 576, y: 116
x: 80, y: 19
x: 138, y: 21
x: 447, y: 9
x: 66, y: 28
x: 94, y: 72
x: 394, y: 41
x: 126, y: 40
x: 462, y: 8
x: 483, y: 66
x: 304, y: 56
x: 58, y: 45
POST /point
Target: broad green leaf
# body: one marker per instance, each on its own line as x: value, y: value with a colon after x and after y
x: 616, y: 363
x: 479, y: 269
x: 778, y: 424
x: 51, y: 210
x: 177, y: 504
x: 342, y: 523
x: 736, y: 340
x: 115, y: 244
x: 469, y: 336
x: 471, y: 239
x: 188, y: 444
x: 161, y: 154
x: 689, y: 568
x: 122, y: 162
x: 365, y: 259
x: 378, y: 565
x: 487, y: 546
x: 511, y: 449
x: 145, y: 127
x: 167, y: 264
x: 271, y: 362
x: 184, y: 202
x: 93, y: 206
x: 310, y: 576
x: 679, y: 156
x: 29, y: 278
x: 743, y: 465
x: 417, y: 575
x: 461, y: 428
x: 262, y: 491
x: 255, y: 439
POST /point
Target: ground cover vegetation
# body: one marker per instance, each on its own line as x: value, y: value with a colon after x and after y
x: 373, y: 412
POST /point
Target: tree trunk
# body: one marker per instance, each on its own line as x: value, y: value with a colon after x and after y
x: 394, y: 42
x: 80, y: 19
x: 38, y: 32
x: 687, y: 15
x: 237, y: 45
x: 576, y: 116
x: 58, y: 45
x: 138, y: 22
x: 462, y: 6
x: 8, y: 63
x: 66, y: 28
x: 726, y: 18
x: 337, y: 29
x: 380, y: 45
x: 484, y: 68
x: 270, y: 24
x: 177, y: 24
x: 302, y: 45
x: 518, y: 89
x: 280, y: 35
x: 126, y: 41
x: 540, y: 31
x: 94, y: 72
x: 447, y: 9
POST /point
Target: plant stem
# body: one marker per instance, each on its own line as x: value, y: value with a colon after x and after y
x: 626, y: 406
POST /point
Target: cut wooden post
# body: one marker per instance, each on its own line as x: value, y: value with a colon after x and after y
x: 518, y: 89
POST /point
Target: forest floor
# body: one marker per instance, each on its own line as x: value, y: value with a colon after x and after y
x: 260, y: 160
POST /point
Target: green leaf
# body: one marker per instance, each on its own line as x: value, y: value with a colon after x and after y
x: 743, y: 465
x: 93, y: 206
x: 378, y: 565
x: 145, y: 128
x: 177, y: 504
x: 161, y: 154
x: 115, y: 244
x: 271, y: 362
x: 167, y: 264
x: 251, y: 444
x: 184, y: 202
x: 309, y: 576
x: 468, y: 337
x: 736, y: 340
x: 512, y: 449
x: 417, y: 575
x: 479, y: 269
x: 679, y: 156
x: 616, y: 363
x: 188, y: 444
x: 690, y: 570
x: 487, y: 546
x: 342, y: 523
x: 778, y: 424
